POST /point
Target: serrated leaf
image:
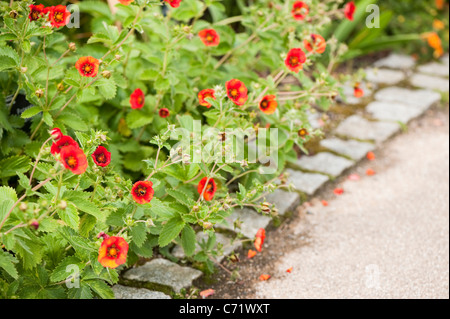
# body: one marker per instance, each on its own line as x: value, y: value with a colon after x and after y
x: 181, y: 197
x: 136, y: 119
x: 66, y: 268
x: 70, y: 216
x: 161, y: 209
x: 101, y: 289
x: 106, y: 87
x: 7, y: 262
x: 84, y: 292
x: 139, y: 234
x: 88, y: 207
x: 11, y: 165
x: 30, y: 112
x: 170, y: 231
x: 188, y: 240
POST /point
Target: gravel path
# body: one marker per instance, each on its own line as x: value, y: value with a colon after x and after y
x: 387, y: 236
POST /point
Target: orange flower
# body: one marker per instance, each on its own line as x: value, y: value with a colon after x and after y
x: 203, y: 94
x: 142, y: 192
x: 315, y: 43
x: 58, y: 16
x: 209, y: 191
x: 173, y: 3
x: 303, y: 133
x: 87, y: 66
x: 251, y: 253
x: 440, y: 4
x: 370, y: 172
x: 209, y: 37
x: 438, y: 24
x: 113, y: 252
x: 236, y: 91
x: 73, y: 158
x: 101, y: 156
x: 37, y: 11
x: 264, y: 277
x: 325, y: 203
x: 259, y: 240
x: 371, y: 156
x: 349, y: 10
x: 290, y: 270
x: 300, y: 10
x: 126, y: 2
x: 357, y: 91
x: 338, y: 191
x: 295, y: 59
x: 435, y: 42
x: 268, y: 104
x: 206, y: 293
x: 137, y: 99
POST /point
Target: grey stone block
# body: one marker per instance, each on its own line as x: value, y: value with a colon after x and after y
x: 307, y: 183
x: 227, y: 244
x: 351, y: 148
x: 388, y: 111
x: 445, y: 60
x: 164, y: 272
x: 429, y: 82
x: 384, y: 76
x: 326, y: 163
x: 251, y: 222
x: 422, y: 99
x: 359, y: 128
x: 284, y: 201
x: 434, y: 68
x: 396, y: 61
x: 124, y: 292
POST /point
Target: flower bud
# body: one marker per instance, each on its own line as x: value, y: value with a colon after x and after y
x: 23, y: 206
x: 72, y: 47
x: 23, y: 69
x: 118, y: 57
x: 103, y: 235
x: 34, y: 224
x: 39, y: 93
x: 60, y: 87
x: 106, y: 74
x: 63, y: 204
x: 207, y: 225
x: 13, y: 14
x: 266, y: 208
x: 195, y: 209
x: 56, y: 134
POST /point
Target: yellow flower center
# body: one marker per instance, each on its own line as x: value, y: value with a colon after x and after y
x: 264, y: 104
x: 293, y: 60
x: 101, y: 158
x: 59, y: 16
x: 141, y: 191
x: 234, y: 92
x: 71, y: 161
x: 113, y: 252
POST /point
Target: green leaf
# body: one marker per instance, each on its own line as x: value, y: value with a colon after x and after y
x: 106, y: 87
x: 170, y: 231
x: 139, y: 234
x: 32, y: 111
x: 188, y: 240
x: 84, y: 292
x: 181, y: 197
x: 73, y: 121
x: 62, y: 272
x: 161, y: 209
x: 101, y: 289
x: 11, y: 165
x: 7, y: 262
x: 70, y: 216
x: 88, y: 207
x: 136, y: 119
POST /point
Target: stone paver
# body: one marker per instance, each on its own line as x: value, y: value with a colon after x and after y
x: 227, y: 244
x: 422, y: 99
x: 434, y: 68
x: 307, y: 183
x: 396, y: 61
x: 359, y: 128
x: 384, y: 76
x: 124, y: 292
x: 388, y: 111
x: 284, y: 201
x: 164, y: 272
x: 326, y: 163
x: 354, y: 149
x: 348, y: 91
x: 251, y: 221
x: 445, y: 60
x: 429, y: 82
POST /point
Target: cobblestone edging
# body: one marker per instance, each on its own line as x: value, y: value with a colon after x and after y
x: 392, y: 107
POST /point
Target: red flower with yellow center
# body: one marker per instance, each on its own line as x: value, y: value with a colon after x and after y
x: 316, y: 43
x: 73, y: 158
x: 203, y: 94
x: 237, y: 91
x: 164, y: 113
x: 101, y: 156
x: 58, y: 16
x: 142, y: 192
x: 173, y: 3
x: 303, y: 133
x: 295, y: 59
x: 209, y: 37
x: 268, y: 104
x: 60, y: 143
x: 113, y: 252
x: 300, y: 10
x: 349, y: 10
x: 209, y: 190
x: 87, y: 66
x: 357, y: 91
x: 259, y: 240
x: 37, y: 11
x: 137, y: 99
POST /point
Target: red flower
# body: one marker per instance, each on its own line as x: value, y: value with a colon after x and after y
x: 209, y: 190
x: 101, y: 156
x: 268, y: 104
x: 300, y: 10
x: 290, y: 270
x: 59, y: 16
x: 37, y: 11
x: 370, y: 156
x: 56, y: 134
x: 209, y: 37
x: 173, y: 3
x: 206, y: 293
x: 143, y: 192
x: 295, y: 59
x: 237, y: 91
x: 60, y: 143
x: 325, y: 203
x: 126, y: 2
x: 259, y: 240
x: 203, y: 94
x: 264, y: 277
x: 113, y: 252
x: 315, y: 43
x: 164, y: 113
x: 357, y: 91
x: 73, y: 158
x: 349, y: 10
x: 87, y: 66
x: 137, y: 99
x: 251, y: 253
x: 338, y: 191
x: 370, y: 172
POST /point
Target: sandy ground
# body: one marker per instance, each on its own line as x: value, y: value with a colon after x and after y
x: 387, y: 236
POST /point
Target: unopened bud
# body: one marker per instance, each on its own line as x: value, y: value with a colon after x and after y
x: 103, y: 235
x: 34, y: 224
x: 63, y: 204
x: 266, y: 207
x: 39, y: 93
x: 13, y: 14
x: 72, y: 47
x: 106, y: 74
x: 118, y: 57
x: 195, y: 209
x: 207, y: 225
x: 23, y: 69
x: 60, y: 87
x: 23, y: 207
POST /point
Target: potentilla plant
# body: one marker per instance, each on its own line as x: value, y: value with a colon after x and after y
x: 150, y: 122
